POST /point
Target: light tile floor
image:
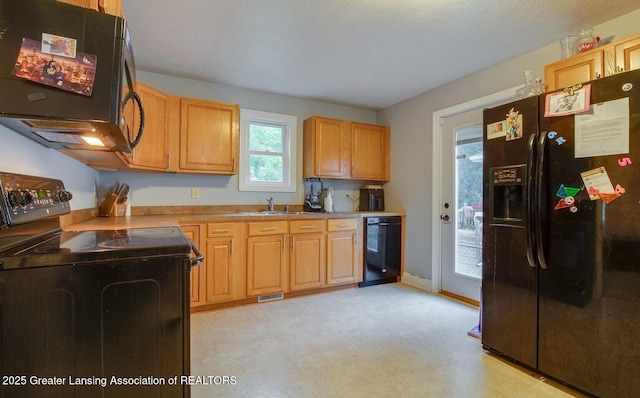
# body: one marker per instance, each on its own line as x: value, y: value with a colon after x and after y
x: 381, y: 341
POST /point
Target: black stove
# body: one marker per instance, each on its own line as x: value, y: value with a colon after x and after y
x: 86, y: 247
x: 30, y: 234
x: 89, y: 304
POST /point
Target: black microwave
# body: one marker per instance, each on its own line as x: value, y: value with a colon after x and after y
x: 66, y: 76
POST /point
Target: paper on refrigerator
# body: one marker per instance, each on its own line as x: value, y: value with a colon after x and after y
x: 604, y: 130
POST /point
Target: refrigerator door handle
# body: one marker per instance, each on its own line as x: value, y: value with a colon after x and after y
x: 531, y: 217
x: 542, y: 141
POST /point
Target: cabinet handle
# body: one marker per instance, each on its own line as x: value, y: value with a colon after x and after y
x: 233, y: 166
x: 169, y: 162
x: 231, y: 248
x: 308, y: 227
x: 283, y: 239
x: 598, y: 76
x: 221, y: 231
x: 265, y: 229
x: 293, y: 243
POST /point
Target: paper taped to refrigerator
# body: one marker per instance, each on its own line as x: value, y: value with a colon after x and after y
x: 597, y: 181
x: 603, y: 131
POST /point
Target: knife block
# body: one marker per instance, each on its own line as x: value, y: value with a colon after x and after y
x: 111, y: 208
x: 107, y: 205
x: 118, y: 210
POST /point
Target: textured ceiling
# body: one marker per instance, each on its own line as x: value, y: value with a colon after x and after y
x: 365, y: 53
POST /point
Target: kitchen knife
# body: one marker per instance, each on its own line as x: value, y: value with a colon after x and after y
x: 123, y: 193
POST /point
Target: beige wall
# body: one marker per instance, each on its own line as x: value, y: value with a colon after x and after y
x: 411, y: 135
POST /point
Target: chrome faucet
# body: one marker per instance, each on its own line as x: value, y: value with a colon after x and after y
x: 270, y: 201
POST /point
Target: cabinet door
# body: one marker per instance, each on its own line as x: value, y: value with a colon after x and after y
x: 307, y: 260
x: 219, y: 270
x: 341, y: 257
x: 208, y: 136
x: 369, y: 152
x: 92, y: 4
x: 193, y: 232
x: 326, y: 148
x: 577, y: 69
x: 113, y: 7
x: 266, y: 265
x: 153, y: 150
x: 628, y: 54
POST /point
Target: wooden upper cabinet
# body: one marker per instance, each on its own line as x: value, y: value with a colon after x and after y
x: 208, y: 136
x: 370, y: 152
x: 92, y: 4
x: 619, y: 56
x: 577, y: 69
x: 340, y: 149
x: 152, y: 152
x: 326, y: 148
x: 627, y: 54
x: 113, y: 7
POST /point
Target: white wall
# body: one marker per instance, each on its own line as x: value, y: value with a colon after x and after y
x: 410, y: 188
x: 20, y: 155
x: 152, y: 189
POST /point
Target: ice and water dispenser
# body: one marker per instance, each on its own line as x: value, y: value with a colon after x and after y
x: 507, y: 188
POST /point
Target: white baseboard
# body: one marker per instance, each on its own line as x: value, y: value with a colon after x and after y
x: 417, y: 281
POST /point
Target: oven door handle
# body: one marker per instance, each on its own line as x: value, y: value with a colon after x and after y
x: 197, y: 260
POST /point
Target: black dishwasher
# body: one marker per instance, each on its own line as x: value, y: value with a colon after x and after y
x: 382, y: 250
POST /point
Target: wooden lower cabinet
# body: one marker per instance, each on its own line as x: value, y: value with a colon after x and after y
x: 221, y: 275
x: 307, y: 257
x: 343, y: 252
x: 244, y: 260
x: 267, y: 258
x: 192, y: 231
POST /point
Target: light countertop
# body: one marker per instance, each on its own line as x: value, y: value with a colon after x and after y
x: 166, y: 220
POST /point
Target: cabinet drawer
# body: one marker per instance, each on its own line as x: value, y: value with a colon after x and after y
x: 267, y: 228
x: 220, y: 229
x: 305, y: 226
x: 343, y: 224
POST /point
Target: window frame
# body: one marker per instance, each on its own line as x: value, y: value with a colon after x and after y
x: 289, y: 124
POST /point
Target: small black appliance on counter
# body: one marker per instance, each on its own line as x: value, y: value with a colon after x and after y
x: 312, y: 192
x: 371, y: 199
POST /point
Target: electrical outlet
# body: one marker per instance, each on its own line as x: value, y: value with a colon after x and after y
x: 195, y: 193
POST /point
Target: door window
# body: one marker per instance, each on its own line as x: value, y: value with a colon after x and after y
x: 468, y: 218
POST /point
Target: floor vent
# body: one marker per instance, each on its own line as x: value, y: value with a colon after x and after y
x: 270, y: 297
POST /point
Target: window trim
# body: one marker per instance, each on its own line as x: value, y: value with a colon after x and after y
x: 290, y: 125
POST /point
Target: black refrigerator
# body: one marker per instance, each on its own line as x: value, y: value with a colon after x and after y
x: 561, y: 234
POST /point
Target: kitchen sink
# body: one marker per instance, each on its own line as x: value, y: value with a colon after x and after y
x: 274, y: 213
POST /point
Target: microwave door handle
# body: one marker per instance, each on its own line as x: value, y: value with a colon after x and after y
x: 134, y: 95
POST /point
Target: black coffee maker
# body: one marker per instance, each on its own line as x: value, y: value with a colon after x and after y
x: 312, y: 192
x: 371, y: 199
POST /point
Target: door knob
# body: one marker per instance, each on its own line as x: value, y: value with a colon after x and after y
x: 445, y: 217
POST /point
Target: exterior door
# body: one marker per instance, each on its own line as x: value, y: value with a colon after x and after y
x: 461, y: 205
